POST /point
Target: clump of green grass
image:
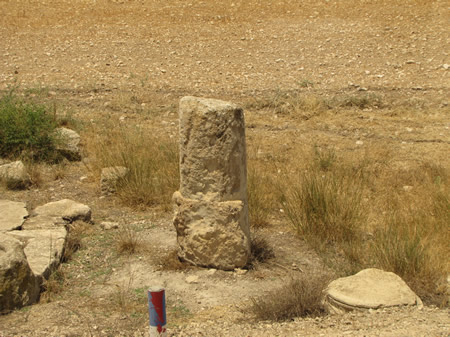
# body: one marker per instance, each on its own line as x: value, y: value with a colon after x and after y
x: 301, y: 297
x: 152, y: 162
x: 26, y: 129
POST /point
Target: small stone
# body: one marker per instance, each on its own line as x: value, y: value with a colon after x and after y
x: 409, y: 129
x: 240, y: 271
x: 68, y: 144
x: 359, y: 142
x: 107, y: 225
x: 110, y: 177
x: 407, y: 188
x: 192, y: 279
x: 15, y: 175
x: 211, y: 271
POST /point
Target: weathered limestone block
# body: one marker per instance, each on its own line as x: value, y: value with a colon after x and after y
x: 12, y: 215
x: 213, y: 160
x: 68, y: 143
x: 18, y: 285
x: 110, y: 178
x: 209, y: 232
x: 212, y: 209
x: 43, y: 249
x: 15, y: 175
x: 369, y: 289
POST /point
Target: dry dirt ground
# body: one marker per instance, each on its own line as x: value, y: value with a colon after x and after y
x: 131, y: 61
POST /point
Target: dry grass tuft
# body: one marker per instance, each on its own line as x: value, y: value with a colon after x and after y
x: 260, y: 250
x: 293, y: 103
x: 152, y: 162
x: 52, y: 287
x: 170, y: 261
x: 326, y: 201
x: 301, y: 297
x: 74, y: 238
x: 127, y: 241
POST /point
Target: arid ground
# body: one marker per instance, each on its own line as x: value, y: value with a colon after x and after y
x: 367, y: 79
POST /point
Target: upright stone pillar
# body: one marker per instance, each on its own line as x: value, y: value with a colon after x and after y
x: 211, y: 206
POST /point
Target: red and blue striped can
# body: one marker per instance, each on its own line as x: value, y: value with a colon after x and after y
x: 157, y: 312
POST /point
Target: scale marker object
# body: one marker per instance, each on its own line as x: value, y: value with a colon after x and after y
x: 157, y: 312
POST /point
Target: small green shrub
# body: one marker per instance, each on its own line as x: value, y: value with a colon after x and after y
x: 26, y: 129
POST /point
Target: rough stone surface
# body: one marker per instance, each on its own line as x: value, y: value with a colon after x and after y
x: 66, y: 209
x: 209, y: 233
x: 369, y: 289
x: 15, y: 175
x: 68, y: 144
x: 212, y: 150
x: 18, y: 286
x: 44, y: 222
x: 212, y: 209
x: 110, y: 177
x: 43, y: 249
x: 12, y: 215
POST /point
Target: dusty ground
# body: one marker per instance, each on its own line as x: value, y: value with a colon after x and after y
x: 134, y: 59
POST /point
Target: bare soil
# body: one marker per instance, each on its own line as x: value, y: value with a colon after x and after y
x: 131, y: 61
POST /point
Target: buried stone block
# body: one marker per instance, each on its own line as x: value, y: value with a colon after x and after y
x: 211, y: 206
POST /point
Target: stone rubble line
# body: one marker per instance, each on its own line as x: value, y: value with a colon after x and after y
x: 32, y: 246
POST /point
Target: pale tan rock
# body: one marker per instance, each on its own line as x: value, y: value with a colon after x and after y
x: 68, y: 142
x: 369, y: 289
x: 14, y: 175
x: 212, y: 150
x: 12, y: 215
x: 43, y: 249
x: 110, y: 177
x: 18, y: 285
x: 211, y: 206
x: 66, y: 209
x: 209, y: 233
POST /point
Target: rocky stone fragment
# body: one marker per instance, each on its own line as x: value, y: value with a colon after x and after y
x: 68, y: 143
x: 108, y: 225
x: 110, y: 177
x: 212, y: 209
x: 209, y: 233
x: 369, y: 289
x: 66, y: 209
x: 14, y: 175
x: 18, y: 285
x: 12, y: 215
x: 43, y: 249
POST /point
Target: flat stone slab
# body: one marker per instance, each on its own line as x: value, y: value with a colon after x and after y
x: 43, y: 249
x: 67, y: 209
x: 369, y: 289
x: 12, y: 215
